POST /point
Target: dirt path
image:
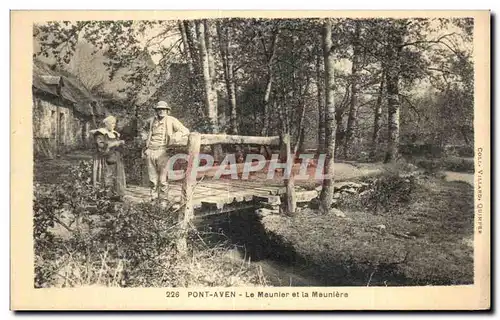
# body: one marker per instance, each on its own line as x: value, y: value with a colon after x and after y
x: 56, y: 170
x: 458, y: 176
x: 53, y: 171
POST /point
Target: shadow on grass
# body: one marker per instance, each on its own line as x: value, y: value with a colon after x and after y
x: 245, y: 230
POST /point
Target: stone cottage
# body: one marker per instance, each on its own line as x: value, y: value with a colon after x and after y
x: 64, y: 112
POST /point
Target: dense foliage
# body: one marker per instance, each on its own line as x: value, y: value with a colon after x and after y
x: 267, y: 76
x: 83, y: 237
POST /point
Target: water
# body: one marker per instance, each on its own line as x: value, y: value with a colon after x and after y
x: 278, y: 261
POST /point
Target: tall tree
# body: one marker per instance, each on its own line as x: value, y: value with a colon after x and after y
x: 393, y: 54
x: 210, y: 92
x: 377, y: 121
x: 209, y: 43
x: 320, y: 76
x: 224, y: 33
x: 187, y: 48
x: 326, y: 196
x: 351, y: 129
x: 300, y: 132
x: 192, y: 45
x: 192, y: 59
x: 270, y: 54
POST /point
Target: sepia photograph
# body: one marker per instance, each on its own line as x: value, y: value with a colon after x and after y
x: 295, y: 156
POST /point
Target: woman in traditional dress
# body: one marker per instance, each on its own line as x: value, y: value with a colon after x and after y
x: 108, y: 166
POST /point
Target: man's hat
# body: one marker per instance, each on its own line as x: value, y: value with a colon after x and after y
x: 162, y: 105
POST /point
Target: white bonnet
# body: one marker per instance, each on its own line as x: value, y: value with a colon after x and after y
x: 109, y: 119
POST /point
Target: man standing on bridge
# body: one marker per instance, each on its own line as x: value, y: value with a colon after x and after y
x: 158, y: 132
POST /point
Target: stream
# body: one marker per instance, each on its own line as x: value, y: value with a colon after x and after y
x: 252, y: 244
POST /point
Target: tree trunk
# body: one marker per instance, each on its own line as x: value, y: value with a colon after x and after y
x: 326, y: 196
x: 221, y: 124
x: 393, y: 117
x: 271, y: 53
x: 210, y: 94
x: 211, y: 65
x: 228, y: 66
x: 209, y: 44
x: 194, y: 65
x: 267, y: 94
x: 186, y: 47
x: 321, y: 103
x: 231, y: 86
x: 339, y: 131
x: 188, y: 54
x: 377, y: 122
x: 463, y: 131
x: 233, y: 114
x: 393, y: 103
x: 351, y: 130
x: 281, y: 102
x: 281, y: 117
x: 191, y: 39
x: 300, y: 130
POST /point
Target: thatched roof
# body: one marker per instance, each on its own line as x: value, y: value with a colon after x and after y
x: 66, y: 86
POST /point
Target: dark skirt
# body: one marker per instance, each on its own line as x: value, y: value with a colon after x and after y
x: 110, y: 175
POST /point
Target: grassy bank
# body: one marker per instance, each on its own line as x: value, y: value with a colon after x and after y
x: 404, y: 231
x: 84, y: 238
x: 425, y: 241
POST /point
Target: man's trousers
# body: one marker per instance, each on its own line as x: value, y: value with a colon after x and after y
x: 157, y: 160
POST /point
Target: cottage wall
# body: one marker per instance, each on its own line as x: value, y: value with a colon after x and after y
x: 57, y: 127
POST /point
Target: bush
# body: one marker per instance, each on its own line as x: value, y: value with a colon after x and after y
x: 459, y: 150
x: 119, y: 244
x: 390, y: 191
x: 430, y: 165
x: 449, y: 163
x: 59, y: 209
x: 458, y: 164
x: 75, y: 200
x: 421, y: 149
x: 133, y: 162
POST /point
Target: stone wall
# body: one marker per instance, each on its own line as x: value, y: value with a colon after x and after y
x: 57, y: 127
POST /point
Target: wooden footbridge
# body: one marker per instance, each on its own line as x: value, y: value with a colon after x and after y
x: 212, y: 196
x: 219, y: 196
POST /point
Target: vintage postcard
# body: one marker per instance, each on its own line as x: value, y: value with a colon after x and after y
x: 250, y: 160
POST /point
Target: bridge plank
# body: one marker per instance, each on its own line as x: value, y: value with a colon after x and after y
x: 259, y: 183
x: 256, y: 186
x: 201, y: 212
x: 235, y: 196
x: 216, y: 196
x: 234, y: 188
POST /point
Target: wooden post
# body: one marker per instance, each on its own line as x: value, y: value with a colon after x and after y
x: 187, y: 214
x: 291, y: 199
